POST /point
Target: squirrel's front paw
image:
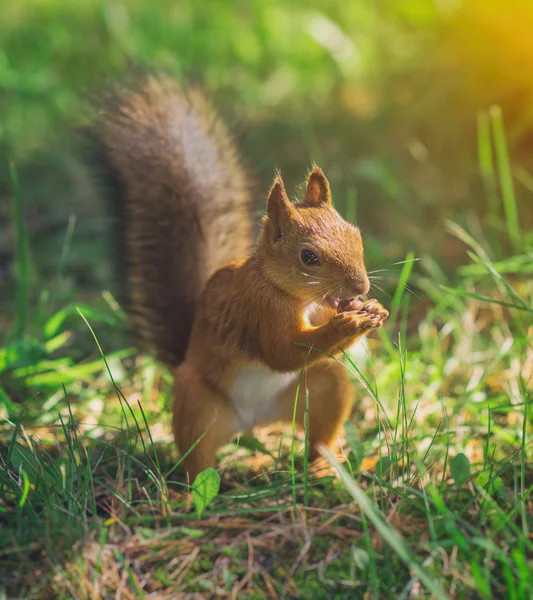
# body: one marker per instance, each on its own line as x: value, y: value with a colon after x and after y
x: 350, y: 323
x: 375, y: 310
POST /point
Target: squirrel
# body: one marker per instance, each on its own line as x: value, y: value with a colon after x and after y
x: 244, y: 328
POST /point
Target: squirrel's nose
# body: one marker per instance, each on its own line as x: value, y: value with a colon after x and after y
x: 359, y: 285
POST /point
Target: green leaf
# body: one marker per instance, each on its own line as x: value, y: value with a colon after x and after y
x: 360, y: 558
x: 205, y: 489
x: 382, y: 468
x: 53, y: 324
x: 26, y: 352
x: 96, y: 315
x: 228, y: 578
x: 57, y: 342
x: 194, y: 533
x: 250, y: 442
x: 56, y: 321
x: 460, y: 468
x: 146, y: 533
x: 495, y: 487
x: 356, y: 445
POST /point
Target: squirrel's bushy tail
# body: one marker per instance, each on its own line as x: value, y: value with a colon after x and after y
x: 184, y: 202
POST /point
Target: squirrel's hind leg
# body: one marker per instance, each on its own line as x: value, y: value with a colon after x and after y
x: 199, y: 414
x: 330, y: 403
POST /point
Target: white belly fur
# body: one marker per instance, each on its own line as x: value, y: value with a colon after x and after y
x: 254, y: 393
x: 256, y: 387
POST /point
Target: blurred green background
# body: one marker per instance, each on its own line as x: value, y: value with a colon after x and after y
x: 385, y: 95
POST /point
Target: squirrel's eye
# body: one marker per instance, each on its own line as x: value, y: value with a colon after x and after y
x: 309, y: 257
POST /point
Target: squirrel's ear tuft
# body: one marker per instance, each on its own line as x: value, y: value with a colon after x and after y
x: 317, y: 192
x: 279, y: 208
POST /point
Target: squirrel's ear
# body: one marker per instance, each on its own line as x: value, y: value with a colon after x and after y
x: 317, y: 192
x: 279, y: 208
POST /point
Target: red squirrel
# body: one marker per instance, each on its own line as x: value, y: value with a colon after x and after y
x: 237, y: 324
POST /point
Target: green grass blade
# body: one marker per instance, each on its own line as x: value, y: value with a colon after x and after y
x: 306, y: 450
x: 502, y: 283
x: 293, y: 448
x: 25, y: 489
x: 481, y: 257
x: 401, y: 286
x: 506, y: 178
x: 486, y: 165
x: 488, y: 299
x: 523, y: 466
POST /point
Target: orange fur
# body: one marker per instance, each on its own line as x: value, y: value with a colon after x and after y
x: 251, y: 321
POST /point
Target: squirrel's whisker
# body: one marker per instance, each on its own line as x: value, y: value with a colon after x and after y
x: 322, y: 294
x: 378, y: 278
x: 411, y: 291
x: 382, y: 290
x: 313, y: 276
x: 401, y: 262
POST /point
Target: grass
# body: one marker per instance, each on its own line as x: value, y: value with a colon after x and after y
x: 430, y: 494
